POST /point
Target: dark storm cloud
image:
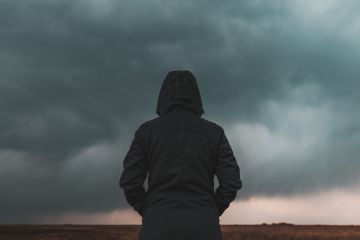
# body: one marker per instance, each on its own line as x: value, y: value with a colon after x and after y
x: 78, y: 77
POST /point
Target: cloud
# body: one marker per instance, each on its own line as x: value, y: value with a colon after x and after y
x: 86, y: 181
x: 298, y: 209
x: 298, y: 141
x: 333, y: 207
x: 78, y: 77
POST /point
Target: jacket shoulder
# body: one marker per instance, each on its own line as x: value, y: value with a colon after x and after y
x: 146, y: 124
x: 212, y: 125
x: 203, y: 123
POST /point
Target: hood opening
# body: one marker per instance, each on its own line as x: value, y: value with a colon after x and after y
x: 179, y: 88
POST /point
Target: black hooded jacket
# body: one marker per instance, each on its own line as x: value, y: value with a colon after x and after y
x: 180, y: 152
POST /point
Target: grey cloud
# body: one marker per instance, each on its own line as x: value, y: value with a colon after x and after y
x: 79, y: 74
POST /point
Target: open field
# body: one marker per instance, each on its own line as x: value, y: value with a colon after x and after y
x: 129, y: 232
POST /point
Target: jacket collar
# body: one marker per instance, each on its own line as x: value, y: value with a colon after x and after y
x: 182, y: 109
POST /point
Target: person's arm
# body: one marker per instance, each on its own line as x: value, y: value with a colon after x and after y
x: 135, y: 173
x: 228, y: 175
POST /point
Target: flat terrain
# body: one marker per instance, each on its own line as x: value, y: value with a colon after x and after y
x: 129, y: 232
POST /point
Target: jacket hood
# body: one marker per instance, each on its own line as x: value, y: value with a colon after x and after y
x: 179, y: 88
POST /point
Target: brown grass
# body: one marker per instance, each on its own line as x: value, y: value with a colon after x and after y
x: 288, y: 231
x: 130, y: 232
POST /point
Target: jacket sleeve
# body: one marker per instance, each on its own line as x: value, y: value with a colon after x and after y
x: 228, y: 175
x: 135, y: 173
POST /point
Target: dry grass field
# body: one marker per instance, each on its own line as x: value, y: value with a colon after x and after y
x: 129, y: 232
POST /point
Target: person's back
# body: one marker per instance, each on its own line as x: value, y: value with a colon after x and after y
x: 181, y: 152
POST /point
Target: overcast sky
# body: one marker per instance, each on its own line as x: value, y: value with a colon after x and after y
x: 78, y: 77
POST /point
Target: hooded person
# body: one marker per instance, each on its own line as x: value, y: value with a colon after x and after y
x: 180, y: 152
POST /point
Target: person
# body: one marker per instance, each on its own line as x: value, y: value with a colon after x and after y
x: 180, y: 152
